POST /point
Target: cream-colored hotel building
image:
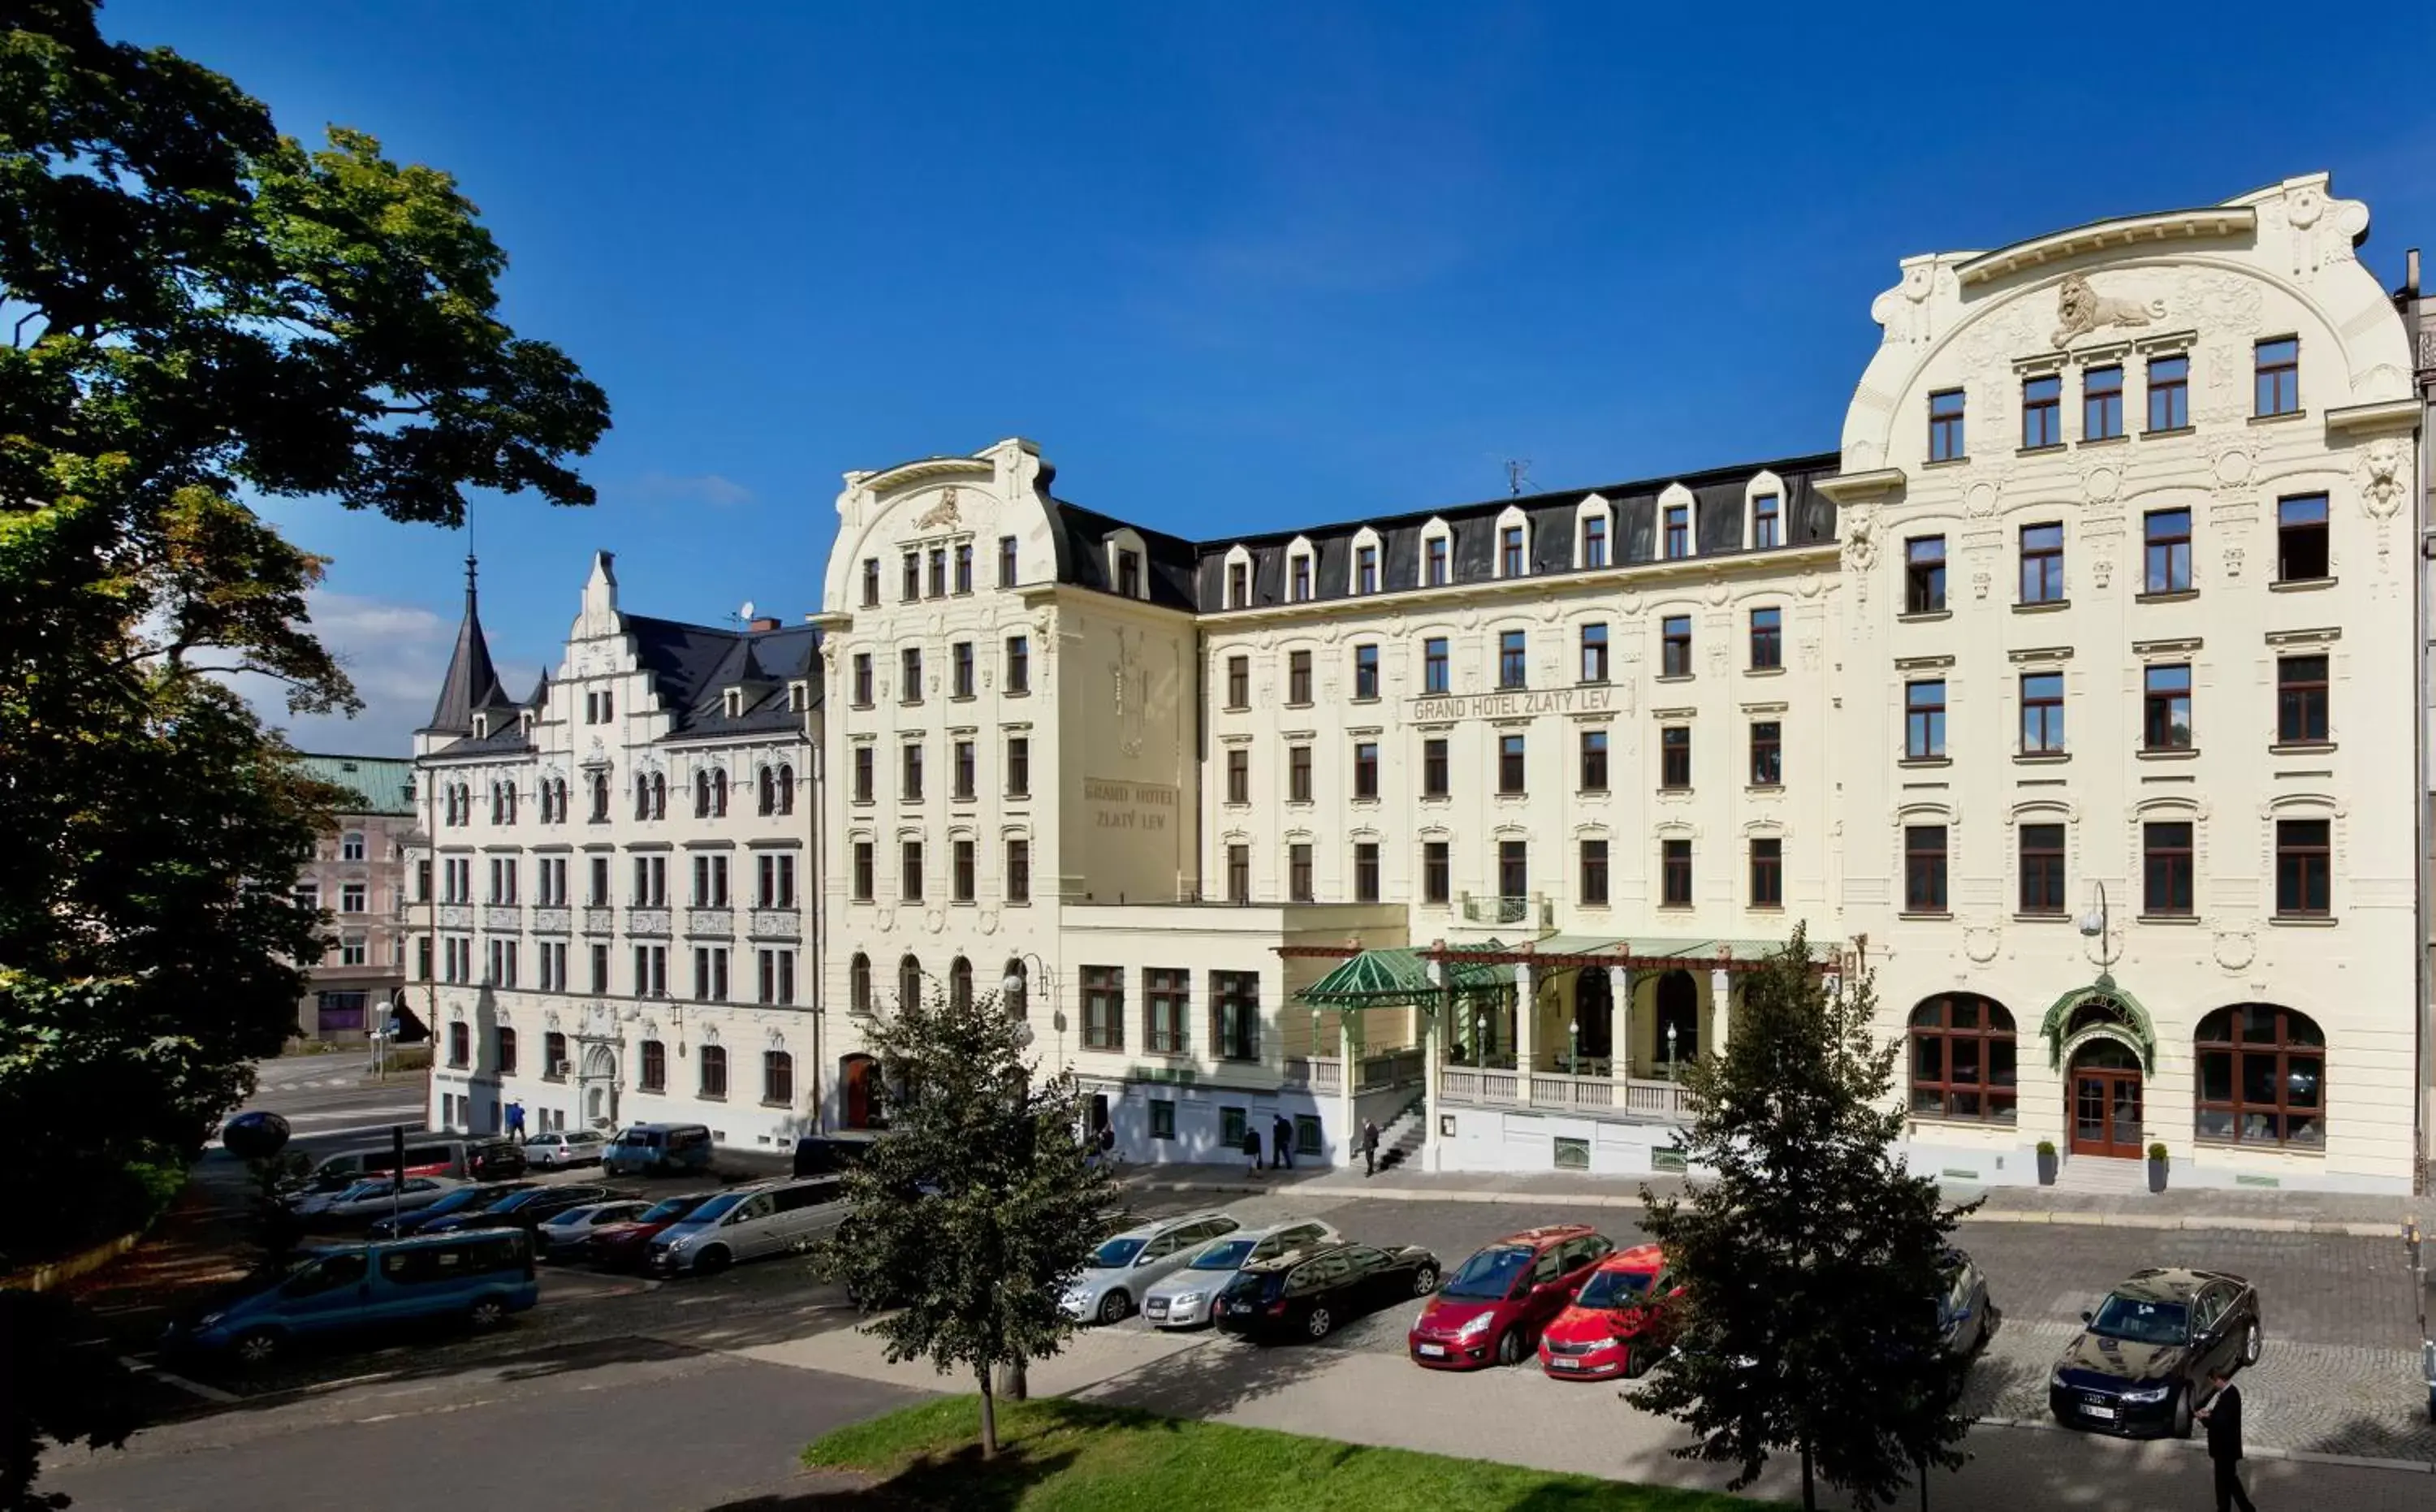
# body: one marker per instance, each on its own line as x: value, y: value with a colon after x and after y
x: 2075, y: 695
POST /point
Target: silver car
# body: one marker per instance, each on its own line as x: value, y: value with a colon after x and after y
x: 1127, y: 1266
x: 561, y: 1148
x: 746, y: 1223
x: 377, y: 1198
x: 1182, y: 1301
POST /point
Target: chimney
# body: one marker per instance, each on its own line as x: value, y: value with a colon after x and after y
x: 2410, y: 272
x: 765, y: 622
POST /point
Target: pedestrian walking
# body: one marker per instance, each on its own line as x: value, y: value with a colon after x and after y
x: 516, y: 1119
x: 1369, y: 1147
x: 1281, y: 1144
x: 1108, y: 1141
x: 1252, y: 1147
x: 2224, y: 1419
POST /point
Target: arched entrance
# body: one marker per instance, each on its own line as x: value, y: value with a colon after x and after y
x: 1591, y: 1023
x: 2102, y: 1100
x: 600, y: 1087
x: 859, y: 1078
x: 1677, y: 1003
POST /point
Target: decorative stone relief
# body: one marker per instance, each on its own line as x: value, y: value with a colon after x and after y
x: 941, y: 515
x: 1982, y: 944
x: 2101, y: 572
x: 934, y: 920
x: 1860, y: 547
x: 1979, y: 584
x: 2382, y: 484
x: 2230, y: 461
x: 1981, y: 500
x: 2080, y: 309
x: 987, y: 921
x: 2100, y: 484
x: 2235, y: 948
x: 2233, y: 562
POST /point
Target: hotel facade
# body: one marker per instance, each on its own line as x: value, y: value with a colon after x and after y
x: 2075, y: 697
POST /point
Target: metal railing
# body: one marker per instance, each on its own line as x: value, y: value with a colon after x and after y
x: 1633, y: 1098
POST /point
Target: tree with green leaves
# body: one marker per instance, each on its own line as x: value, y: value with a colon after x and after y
x: 195, y: 311
x: 1813, y: 1260
x: 979, y: 1204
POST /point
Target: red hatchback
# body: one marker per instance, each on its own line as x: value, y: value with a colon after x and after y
x: 1493, y: 1307
x: 1619, y: 1322
x: 626, y: 1246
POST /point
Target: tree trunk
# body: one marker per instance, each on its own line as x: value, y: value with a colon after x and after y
x: 1011, y: 1382
x: 1809, y: 1492
x: 989, y: 1415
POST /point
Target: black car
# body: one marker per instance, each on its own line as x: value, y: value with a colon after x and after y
x: 523, y: 1210
x: 1309, y: 1292
x: 2141, y: 1364
x: 828, y: 1155
x: 456, y: 1204
x: 493, y: 1160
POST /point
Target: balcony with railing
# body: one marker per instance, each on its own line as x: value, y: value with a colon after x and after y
x: 553, y: 920
x: 1599, y: 1096
x: 647, y: 920
x: 599, y: 920
x: 1325, y: 1075
x: 502, y: 918
x: 710, y: 921
x: 1531, y: 909
x: 775, y: 924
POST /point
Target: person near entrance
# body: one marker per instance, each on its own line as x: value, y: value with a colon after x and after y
x: 2223, y: 1416
x: 1281, y: 1144
x: 1369, y: 1147
x: 1252, y: 1146
x: 516, y: 1119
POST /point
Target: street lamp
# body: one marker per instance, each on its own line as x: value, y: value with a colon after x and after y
x: 1013, y: 984
x: 1670, y: 1052
x: 2093, y: 925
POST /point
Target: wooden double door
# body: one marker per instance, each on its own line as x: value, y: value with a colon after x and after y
x: 2103, y: 1109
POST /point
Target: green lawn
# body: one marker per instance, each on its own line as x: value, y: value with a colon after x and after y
x: 1056, y: 1455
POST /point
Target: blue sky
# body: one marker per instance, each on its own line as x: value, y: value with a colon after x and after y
x: 1232, y: 266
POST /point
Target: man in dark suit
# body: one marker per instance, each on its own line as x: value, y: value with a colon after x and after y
x: 2223, y: 1416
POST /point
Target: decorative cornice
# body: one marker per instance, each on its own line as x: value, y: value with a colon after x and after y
x: 1856, y: 488
x: 2383, y: 417
x: 2212, y: 224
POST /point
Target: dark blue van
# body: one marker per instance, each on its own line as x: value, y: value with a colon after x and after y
x: 479, y: 1278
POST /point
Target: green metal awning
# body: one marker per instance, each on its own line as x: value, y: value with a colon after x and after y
x: 1397, y: 976
x: 2117, y: 1014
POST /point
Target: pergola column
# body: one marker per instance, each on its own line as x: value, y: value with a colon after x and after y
x: 1721, y: 992
x: 1619, y: 1022
x: 1433, y: 1027
x: 1526, y: 1009
x: 1345, y: 1085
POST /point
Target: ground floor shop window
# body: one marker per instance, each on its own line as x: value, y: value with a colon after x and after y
x: 1307, y: 1139
x: 2262, y: 1076
x: 1963, y: 1059
x: 1162, y: 1120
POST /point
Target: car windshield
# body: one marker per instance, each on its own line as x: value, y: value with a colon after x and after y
x: 2141, y: 1320
x: 1488, y: 1275
x: 639, y: 1139
x: 1226, y: 1254
x: 663, y: 1210
x: 717, y: 1208
x: 1614, y: 1289
x: 1115, y: 1252
x: 515, y: 1200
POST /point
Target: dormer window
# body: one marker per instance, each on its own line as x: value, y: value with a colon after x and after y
x: 799, y: 697
x: 1434, y: 563
x: 1766, y: 522
x: 1238, y: 585
x: 1593, y: 540
x: 525, y: 723
x: 731, y: 702
x: 1299, y: 579
x: 1129, y: 573
x: 1675, y: 527
x: 1509, y: 552
x: 1365, y: 569
x: 481, y: 725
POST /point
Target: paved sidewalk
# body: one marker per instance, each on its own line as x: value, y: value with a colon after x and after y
x: 2260, y: 1212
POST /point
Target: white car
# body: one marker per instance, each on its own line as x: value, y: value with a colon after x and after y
x: 1127, y: 1266
x: 561, y: 1148
x: 367, y: 1200
x: 1182, y: 1301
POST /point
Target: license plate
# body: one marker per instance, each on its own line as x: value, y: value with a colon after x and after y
x: 1562, y: 1364
x: 1157, y: 1309
x: 1435, y: 1352
x: 2094, y: 1410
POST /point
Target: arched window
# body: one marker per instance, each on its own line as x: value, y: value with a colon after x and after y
x: 659, y: 795
x: 1962, y: 1059
x: 719, y: 793
x: 702, y: 795
x: 350, y: 845
x: 908, y: 980
x: 857, y: 984
x: 960, y: 983
x: 2262, y: 1076
x: 642, y: 795
x: 767, y: 791
x: 785, y: 789
x: 1017, y: 988
x: 777, y: 1078
x: 600, y: 797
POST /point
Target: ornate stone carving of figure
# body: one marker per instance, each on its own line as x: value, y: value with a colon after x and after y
x: 941, y: 515
x: 2080, y: 309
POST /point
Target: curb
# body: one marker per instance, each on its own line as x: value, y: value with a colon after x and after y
x: 2298, y: 1456
x: 2060, y: 1217
x: 43, y: 1277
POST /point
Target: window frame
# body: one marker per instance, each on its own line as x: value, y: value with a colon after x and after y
x: 1767, y: 638
x: 2310, y: 858
x: 2171, y: 390
x: 1927, y: 869
x: 2158, y: 731
x: 1594, y: 870
x: 1770, y: 773
x: 1513, y: 659
x: 1767, y: 872
x: 2040, y: 579
x: 1675, y: 758
x: 1924, y: 720
x: 1948, y: 440
x: 2275, y: 376
x: 2042, y: 412
x: 1675, y: 646
x: 2165, y: 556
x: 2280, y: 1051
x: 1673, y: 872
x: 1924, y: 575
x: 1593, y: 644
x: 1592, y: 749
x: 1985, y: 1038
x: 2302, y: 703
x: 2041, y: 864
x: 2310, y: 539
x: 2163, y: 861
x: 1513, y: 763
x: 2046, y: 711
x: 2101, y: 407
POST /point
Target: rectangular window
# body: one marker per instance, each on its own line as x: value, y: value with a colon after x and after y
x: 2167, y: 533
x: 1675, y: 646
x: 1433, y: 562
x: 1235, y: 1020
x: 1676, y: 531
x: 2301, y: 554
x: 1945, y: 426
x: 910, y: 783
x: 1366, y: 871
x: 964, y: 566
x: 1510, y: 764
x: 2303, y: 881
x: 1167, y: 1000
x: 1365, y: 569
x: 598, y: 896
x: 2043, y: 868
x: 1594, y: 654
x: 1298, y: 677
x: 1019, y: 766
x: 711, y: 1073
x: 865, y: 759
x: 1239, y: 774
x: 1768, y: 522
x: 2166, y: 722
x: 1509, y: 552
x: 910, y: 579
x: 2279, y: 377
x: 1365, y: 768
x: 1767, y: 753
x: 1437, y: 873
x: 1299, y: 579
x: 960, y: 669
x: 1162, y: 1118
x: 1593, y: 762
x: 1924, y: 869
x: 1103, y: 1008
x: 1433, y: 766
x: 1924, y: 575
x: 1238, y: 681
x: 1018, y: 870
x: 1434, y: 665
x: 600, y: 970
x: 776, y: 881
x: 1239, y: 874
x: 777, y: 1078
x: 1514, y: 871
x: 1298, y: 773
x: 1366, y: 672
x: 1675, y: 756
x: 709, y: 974
x: 1238, y: 585
x: 2166, y: 868
x: 1766, y: 640
x: 862, y: 678
x: 1018, y: 664
x: 1675, y: 874
x: 2301, y: 699
x: 910, y: 870
x: 962, y: 869
x: 2042, y: 413
x: 910, y: 675
x: 1593, y: 540
x: 2101, y: 404
x: 1923, y: 721
x: 864, y: 869
x: 655, y: 1066
x: 2169, y: 393
x: 1298, y: 886
x: 2042, y: 564
x: 2041, y: 713
x: 1767, y: 872
x: 961, y: 774
x: 871, y: 582
x: 938, y: 572
x: 1594, y: 873
x: 1006, y: 559
x: 1129, y: 573
x: 1512, y: 665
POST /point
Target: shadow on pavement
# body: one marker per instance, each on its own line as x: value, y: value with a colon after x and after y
x: 957, y: 1480
x: 1225, y: 1374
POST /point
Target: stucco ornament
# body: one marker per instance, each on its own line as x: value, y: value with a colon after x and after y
x: 1860, y: 546
x: 943, y: 515
x: 2080, y: 309
x: 1982, y: 944
x: 1131, y: 691
x: 2381, y: 482
x: 2235, y: 948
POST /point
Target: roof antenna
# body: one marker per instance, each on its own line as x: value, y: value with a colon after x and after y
x: 1518, y: 473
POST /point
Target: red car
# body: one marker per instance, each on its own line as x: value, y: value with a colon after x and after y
x: 1493, y: 1307
x: 1619, y: 1322
x: 626, y: 1246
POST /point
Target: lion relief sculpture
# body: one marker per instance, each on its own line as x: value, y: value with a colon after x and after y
x: 2080, y: 309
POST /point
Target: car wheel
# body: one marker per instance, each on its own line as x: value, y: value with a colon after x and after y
x: 488, y: 1313
x: 1320, y: 1324
x: 1509, y: 1346
x: 2253, y: 1343
x: 257, y: 1347
x: 1115, y: 1307
x: 1636, y: 1363
x: 2181, y: 1417
x: 712, y: 1260
x: 1425, y: 1280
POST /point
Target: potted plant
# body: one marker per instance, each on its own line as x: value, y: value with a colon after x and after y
x: 2047, y: 1162
x: 2157, y: 1163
